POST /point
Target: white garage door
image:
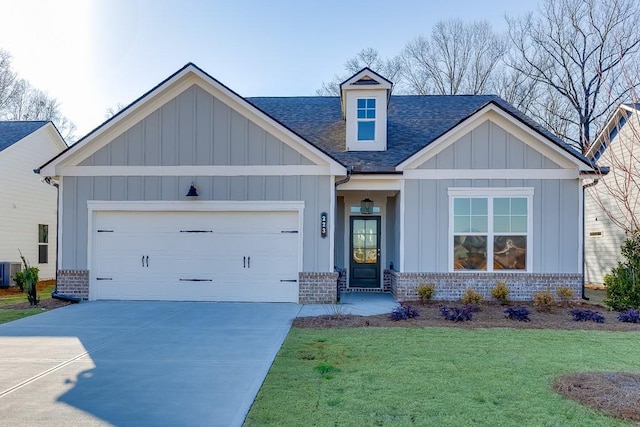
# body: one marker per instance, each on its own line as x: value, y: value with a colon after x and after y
x: 195, y: 256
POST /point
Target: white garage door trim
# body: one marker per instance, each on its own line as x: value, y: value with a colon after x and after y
x: 96, y: 206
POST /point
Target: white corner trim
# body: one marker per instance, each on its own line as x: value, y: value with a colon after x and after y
x: 492, y: 174
x: 192, y: 170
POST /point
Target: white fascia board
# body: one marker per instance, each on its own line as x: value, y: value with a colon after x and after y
x: 603, y: 136
x: 197, y: 170
x: 491, y: 174
x: 383, y: 83
x: 497, y: 115
x: 189, y: 76
x: 55, y: 136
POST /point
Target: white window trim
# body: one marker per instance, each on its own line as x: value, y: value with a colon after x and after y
x: 361, y: 120
x: 490, y: 194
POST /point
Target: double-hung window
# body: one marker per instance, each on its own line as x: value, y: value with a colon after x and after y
x: 490, y: 229
x: 43, y: 243
x: 366, y: 119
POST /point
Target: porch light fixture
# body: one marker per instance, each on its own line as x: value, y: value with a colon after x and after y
x: 366, y: 206
x: 193, y: 192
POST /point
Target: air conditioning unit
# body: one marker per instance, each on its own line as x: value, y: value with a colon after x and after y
x: 7, y: 271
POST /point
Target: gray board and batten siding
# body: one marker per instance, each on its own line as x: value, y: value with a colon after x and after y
x: 555, y: 210
x: 195, y: 128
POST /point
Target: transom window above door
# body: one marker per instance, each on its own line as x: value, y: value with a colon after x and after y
x: 492, y: 232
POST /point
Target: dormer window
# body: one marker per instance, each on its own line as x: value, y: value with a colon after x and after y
x: 365, y: 99
x: 366, y: 119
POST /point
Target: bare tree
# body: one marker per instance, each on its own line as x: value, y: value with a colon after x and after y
x: 386, y: 67
x: 112, y: 111
x: 21, y: 101
x: 458, y: 58
x: 577, y: 48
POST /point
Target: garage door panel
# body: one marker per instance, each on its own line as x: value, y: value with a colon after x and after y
x: 192, y: 256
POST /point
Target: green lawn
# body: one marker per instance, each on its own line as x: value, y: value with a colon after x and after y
x: 435, y: 377
x: 10, y: 315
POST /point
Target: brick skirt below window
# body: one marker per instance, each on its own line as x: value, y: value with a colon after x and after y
x: 451, y: 286
x: 74, y: 283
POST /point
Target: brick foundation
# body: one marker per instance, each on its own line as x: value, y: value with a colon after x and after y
x: 318, y: 288
x: 451, y: 286
x: 74, y: 283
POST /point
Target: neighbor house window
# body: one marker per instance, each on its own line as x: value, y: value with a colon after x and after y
x: 43, y: 244
x: 366, y: 119
x: 490, y: 233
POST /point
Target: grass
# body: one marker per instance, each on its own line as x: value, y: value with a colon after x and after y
x: 435, y: 376
x: 8, y: 315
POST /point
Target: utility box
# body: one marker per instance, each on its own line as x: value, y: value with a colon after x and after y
x: 7, y: 271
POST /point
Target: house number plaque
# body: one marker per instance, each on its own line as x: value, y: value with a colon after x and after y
x: 323, y: 225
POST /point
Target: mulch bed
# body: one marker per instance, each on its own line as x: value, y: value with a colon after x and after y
x: 45, y: 303
x: 491, y: 315
x: 614, y: 393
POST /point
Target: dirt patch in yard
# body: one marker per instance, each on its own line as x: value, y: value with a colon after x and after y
x: 45, y: 304
x: 490, y: 315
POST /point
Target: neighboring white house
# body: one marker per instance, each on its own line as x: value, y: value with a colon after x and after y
x: 27, y: 204
x: 616, y: 147
x: 393, y: 191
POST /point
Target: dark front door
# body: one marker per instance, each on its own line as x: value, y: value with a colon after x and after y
x: 364, y: 267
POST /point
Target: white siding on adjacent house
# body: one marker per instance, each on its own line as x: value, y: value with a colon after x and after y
x: 26, y: 202
x: 603, y: 238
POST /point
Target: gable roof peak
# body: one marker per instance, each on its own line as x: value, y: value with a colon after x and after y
x: 367, y: 77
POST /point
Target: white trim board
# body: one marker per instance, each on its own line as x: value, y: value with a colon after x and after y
x: 192, y: 170
x: 491, y: 174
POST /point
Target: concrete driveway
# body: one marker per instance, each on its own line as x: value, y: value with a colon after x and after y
x: 139, y: 363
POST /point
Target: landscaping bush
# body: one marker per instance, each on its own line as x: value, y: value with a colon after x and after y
x: 518, y: 313
x: 29, y: 280
x: 543, y: 300
x: 457, y: 314
x: 403, y: 312
x: 501, y: 293
x: 623, y: 283
x: 471, y: 297
x: 630, y: 316
x: 585, y: 315
x: 425, y: 291
x: 565, y: 294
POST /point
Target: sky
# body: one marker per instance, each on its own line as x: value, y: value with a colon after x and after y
x: 95, y: 54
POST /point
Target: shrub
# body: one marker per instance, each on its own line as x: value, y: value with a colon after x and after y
x: 471, y: 297
x: 630, y: 316
x: 425, y: 291
x: 623, y: 283
x: 585, y: 315
x: 543, y: 300
x: 518, y: 313
x: 456, y: 314
x: 29, y: 280
x: 501, y: 293
x: 565, y: 294
x: 403, y: 312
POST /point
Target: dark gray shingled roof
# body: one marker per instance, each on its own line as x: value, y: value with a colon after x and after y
x: 413, y: 122
x: 12, y: 132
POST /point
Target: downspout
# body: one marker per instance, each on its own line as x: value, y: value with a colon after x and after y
x: 591, y: 184
x: 55, y: 295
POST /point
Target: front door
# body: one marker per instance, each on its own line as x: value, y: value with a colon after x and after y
x: 364, y: 271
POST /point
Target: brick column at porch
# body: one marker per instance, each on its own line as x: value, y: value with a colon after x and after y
x: 318, y: 288
x: 74, y: 283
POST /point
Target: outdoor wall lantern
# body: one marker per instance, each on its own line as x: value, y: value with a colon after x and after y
x: 366, y: 206
x: 193, y: 192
